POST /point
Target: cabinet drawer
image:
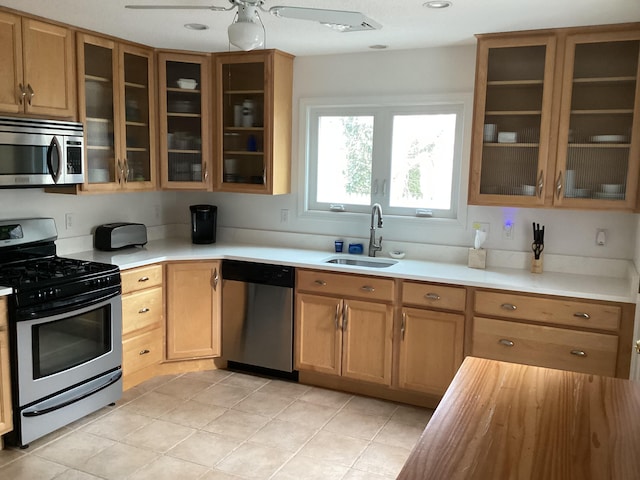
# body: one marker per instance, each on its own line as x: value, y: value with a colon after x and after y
x: 436, y: 296
x: 141, y: 351
x: 141, y: 309
x: 551, y: 347
x: 562, y: 312
x: 354, y: 286
x: 139, y: 278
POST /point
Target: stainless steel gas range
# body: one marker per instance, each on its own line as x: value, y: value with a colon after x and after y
x: 65, y: 325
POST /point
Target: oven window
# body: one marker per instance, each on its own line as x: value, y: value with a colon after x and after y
x: 63, y: 344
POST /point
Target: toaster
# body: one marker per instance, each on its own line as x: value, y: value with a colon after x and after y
x: 113, y: 236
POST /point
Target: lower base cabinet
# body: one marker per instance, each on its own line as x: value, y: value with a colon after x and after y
x: 193, y: 310
x: 431, y: 345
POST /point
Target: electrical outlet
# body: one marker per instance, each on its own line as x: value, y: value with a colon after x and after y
x: 481, y: 226
x: 601, y: 237
x: 284, y: 215
x: 69, y: 220
x: 508, y: 230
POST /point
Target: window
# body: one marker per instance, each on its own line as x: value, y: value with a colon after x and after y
x: 407, y: 157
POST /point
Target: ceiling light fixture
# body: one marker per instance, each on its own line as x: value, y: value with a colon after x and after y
x: 437, y: 4
x: 245, y: 32
x: 196, y: 26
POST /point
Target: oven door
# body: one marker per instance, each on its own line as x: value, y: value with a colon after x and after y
x: 60, y: 352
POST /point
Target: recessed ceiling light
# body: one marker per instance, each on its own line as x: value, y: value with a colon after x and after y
x: 196, y: 26
x: 378, y: 47
x: 437, y: 4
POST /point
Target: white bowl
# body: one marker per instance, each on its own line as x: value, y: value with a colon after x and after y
x: 611, y: 188
x: 187, y: 83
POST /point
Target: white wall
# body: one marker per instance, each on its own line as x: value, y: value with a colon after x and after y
x: 417, y: 72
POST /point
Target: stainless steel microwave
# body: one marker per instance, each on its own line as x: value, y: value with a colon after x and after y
x: 37, y: 152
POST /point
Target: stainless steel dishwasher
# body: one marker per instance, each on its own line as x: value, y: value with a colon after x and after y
x: 257, y: 315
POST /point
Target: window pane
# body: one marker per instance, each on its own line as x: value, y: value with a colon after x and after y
x: 422, y: 161
x: 345, y: 146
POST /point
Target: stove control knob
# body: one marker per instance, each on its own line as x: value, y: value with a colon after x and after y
x: 52, y: 292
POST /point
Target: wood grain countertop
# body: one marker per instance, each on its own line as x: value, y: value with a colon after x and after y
x: 501, y: 420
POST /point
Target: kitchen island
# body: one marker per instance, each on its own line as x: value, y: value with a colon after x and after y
x: 504, y: 420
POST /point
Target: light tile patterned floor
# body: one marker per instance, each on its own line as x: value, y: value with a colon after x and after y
x: 223, y: 425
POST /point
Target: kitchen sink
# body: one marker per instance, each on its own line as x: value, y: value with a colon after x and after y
x: 360, y: 262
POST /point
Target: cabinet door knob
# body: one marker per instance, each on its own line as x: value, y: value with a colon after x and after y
x: 584, y: 315
x: 432, y: 296
x: 578, y: 353
x: 505, y: 342
x: 540, y: 184
x: 508, y: 306
x: 23, y: 93
x: 345, y: 316
x: 30, y: 92
x: 403, y: 325
x: 559, y: 185
x: 322, y: 283
x: 144, y: 352
x: 143, y: 279
x: 337, y: 315
x: 367, y: 288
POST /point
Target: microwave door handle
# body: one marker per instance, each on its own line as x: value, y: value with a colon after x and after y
x: 54, y: 170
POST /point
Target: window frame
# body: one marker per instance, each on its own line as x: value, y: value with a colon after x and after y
x: 312, y: 108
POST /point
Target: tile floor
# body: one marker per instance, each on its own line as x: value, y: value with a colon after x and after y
x: 224, y: 425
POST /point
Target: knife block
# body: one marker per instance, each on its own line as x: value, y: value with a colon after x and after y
x: 536, y: 265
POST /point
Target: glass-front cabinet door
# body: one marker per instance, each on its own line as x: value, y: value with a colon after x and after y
x: 598, y: 152
x: 253, y: 121
x: 184, y: 121
x: 512, y: 120
x: 116, y: 107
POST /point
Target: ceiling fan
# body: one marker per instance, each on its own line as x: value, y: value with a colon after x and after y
x: 247, y: 30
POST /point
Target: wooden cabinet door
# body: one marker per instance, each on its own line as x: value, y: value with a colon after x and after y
x: 368, y: 341
x: 318, y: 334
x: 10, y: 63
x: 49, y: 69
x: 431, y: 346
x: 6, y: 417
x: 193, y: 309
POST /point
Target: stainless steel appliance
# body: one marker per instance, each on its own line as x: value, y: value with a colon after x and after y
x: 40, y: 152
x: 203, y: 223
x: 257, y: 315
x: 65, y: 330
x: 113, y: 236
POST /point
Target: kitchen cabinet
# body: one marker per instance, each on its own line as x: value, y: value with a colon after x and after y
x: 431, y: 341
x: 185, y: 137
x: 193, y: 310
x: 142, y: 323
x: 344, y: 325
x: 253, y: 98
x: 555, y: 119
x: 6, y: 415
x: 117, y: 107
x: 37, y: 66
x: 561, y: 333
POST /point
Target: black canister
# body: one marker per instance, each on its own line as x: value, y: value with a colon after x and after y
x: 203, y: 223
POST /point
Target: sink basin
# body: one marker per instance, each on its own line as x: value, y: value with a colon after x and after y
x: 361, y: 262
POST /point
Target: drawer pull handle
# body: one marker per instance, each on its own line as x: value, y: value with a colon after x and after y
x: 337, y: 315
x: 638, y: 347
x: 505, y: 342
x: 508, y: 306
x: 579, y: 353
x: 403, y: 325
x: 322, y: 283
x: 143, y: 310
x: 144, y: 352
x: 584, y: 315
x: 432, y: 296
x: 367, y: 288
x: 143, y: 279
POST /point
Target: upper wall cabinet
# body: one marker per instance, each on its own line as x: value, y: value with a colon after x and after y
x: 185, y: 152
x: 117, y: 107
x: 252, y: 127
x: 554, y: 119
x: 37, y: 74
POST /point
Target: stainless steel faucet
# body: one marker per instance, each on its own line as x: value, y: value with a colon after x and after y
x: 373, y: 246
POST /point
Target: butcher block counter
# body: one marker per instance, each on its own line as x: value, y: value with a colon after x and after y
x: 502, y: 420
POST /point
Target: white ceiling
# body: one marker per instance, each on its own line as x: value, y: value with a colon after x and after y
x: 406, y: 24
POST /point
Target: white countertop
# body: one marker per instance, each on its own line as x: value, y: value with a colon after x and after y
x: 613, y: 289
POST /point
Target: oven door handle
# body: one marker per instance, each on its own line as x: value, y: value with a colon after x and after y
x: 45, y: 407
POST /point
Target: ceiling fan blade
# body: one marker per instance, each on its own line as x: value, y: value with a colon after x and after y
x: 177, y: 7
x: 341, y: 20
